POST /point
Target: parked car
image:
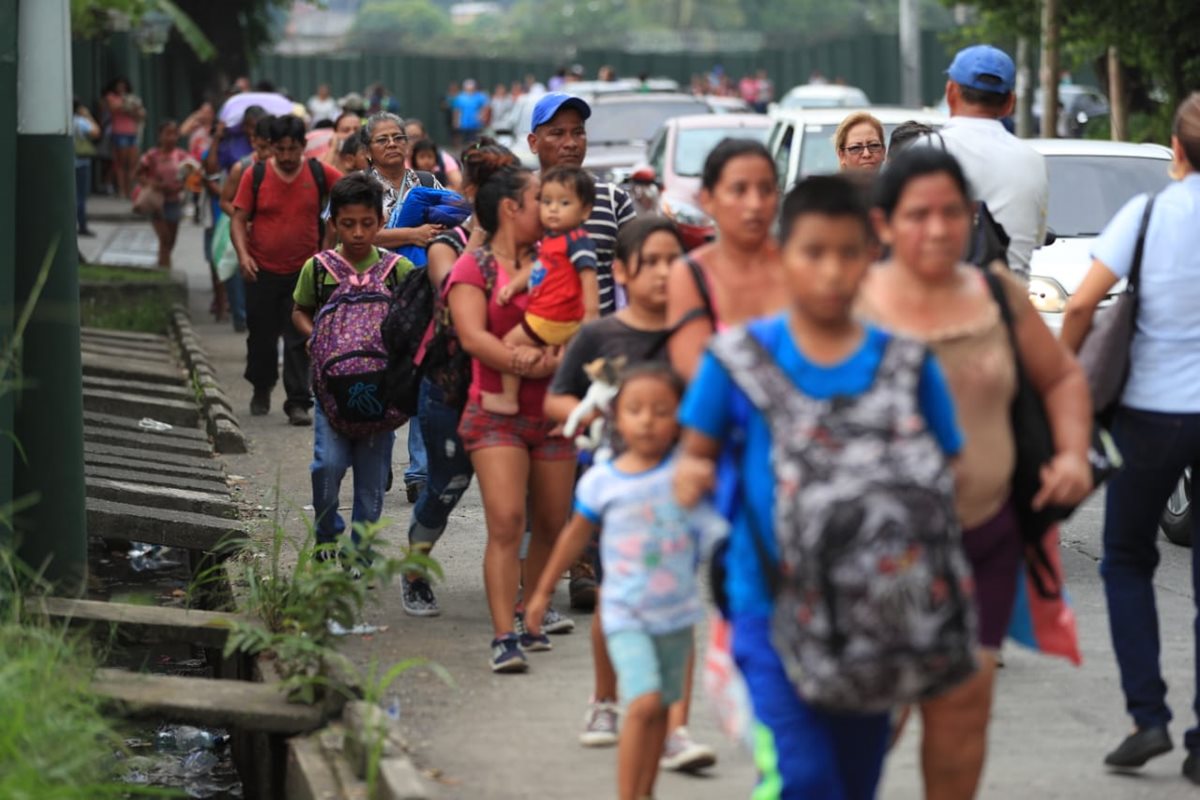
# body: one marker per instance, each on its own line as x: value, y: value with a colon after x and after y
x: 1080, y: 105
x: 677, y: 153
x: 801, y: 140
x: 822, y: 95
x: 1089, y: 182
x: 720, y: 104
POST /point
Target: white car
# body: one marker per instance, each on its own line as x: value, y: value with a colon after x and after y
x: 824, y: 95
x: 1089, y: 183
x: 801, y: 139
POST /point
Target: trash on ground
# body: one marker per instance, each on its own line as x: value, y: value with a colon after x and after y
x: 147, y: 424
x: 361, y: 629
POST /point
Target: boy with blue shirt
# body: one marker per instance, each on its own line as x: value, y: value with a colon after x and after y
x: 804, y: 751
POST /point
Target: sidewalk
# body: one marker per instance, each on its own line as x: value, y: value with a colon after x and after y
x: 509, y: 737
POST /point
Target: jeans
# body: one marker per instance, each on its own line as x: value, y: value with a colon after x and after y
x: 333, y: 454
x: 269, y: 316
x: 418, y: 459
x: 1157, y: 448
x: 449, y: 467
x: 235, y: 294
x: 83, y: 187
x: 803, y: 752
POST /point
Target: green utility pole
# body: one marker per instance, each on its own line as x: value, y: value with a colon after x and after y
x: 49, y: 410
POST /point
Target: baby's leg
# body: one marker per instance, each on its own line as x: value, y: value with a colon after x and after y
x: 506, y: 402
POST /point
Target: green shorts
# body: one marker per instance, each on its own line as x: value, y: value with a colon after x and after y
x: 646, y: 663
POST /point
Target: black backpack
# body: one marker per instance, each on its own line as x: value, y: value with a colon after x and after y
x: 989, y: 240
x: 318, y: 173
x: 408, y: 318
x: 446, y: 363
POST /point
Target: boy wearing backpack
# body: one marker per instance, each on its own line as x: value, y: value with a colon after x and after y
x: 847, y: 589
x: 341, y: 300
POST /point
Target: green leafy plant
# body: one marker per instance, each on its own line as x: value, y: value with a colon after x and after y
x: 300, y: 607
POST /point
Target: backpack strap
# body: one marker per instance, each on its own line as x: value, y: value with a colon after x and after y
x: 318, y: 174
x: 706, y: 309
x: 427, y: 179
x: 487, y: 268
x: 259, y: 174
x: 1135, y: 271
x: 753, y: 369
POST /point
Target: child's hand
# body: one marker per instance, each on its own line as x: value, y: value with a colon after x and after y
x: 535, y: 610
x: 505, y: 296
x: 694, y: 478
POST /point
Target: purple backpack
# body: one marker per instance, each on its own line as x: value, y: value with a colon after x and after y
x: 349, y: 358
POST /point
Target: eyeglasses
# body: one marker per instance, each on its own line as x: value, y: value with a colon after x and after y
x: 857, y: 150
x: 395, y: 138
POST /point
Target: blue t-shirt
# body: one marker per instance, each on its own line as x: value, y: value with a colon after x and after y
x: 649, y: 546
x: 1164, y: 374
x: 470, y: 110
x: 717, y: 408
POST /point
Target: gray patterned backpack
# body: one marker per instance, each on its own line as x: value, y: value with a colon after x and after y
x: 872, y: 591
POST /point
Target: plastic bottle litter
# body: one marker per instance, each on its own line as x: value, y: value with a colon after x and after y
x: 185, y: 739
x: 145, y: 557
x: 147, y: 424
x: 361, y: 629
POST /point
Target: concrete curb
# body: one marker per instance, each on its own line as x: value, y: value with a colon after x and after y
x: 221, y: 422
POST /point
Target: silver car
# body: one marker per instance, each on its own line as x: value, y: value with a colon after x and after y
x: 1089, y: 183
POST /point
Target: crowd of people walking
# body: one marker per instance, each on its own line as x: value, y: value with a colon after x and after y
x: 843, y: 342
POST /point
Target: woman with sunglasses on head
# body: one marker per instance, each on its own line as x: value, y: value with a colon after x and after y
x: 388, y: 154
x: 859, y: 142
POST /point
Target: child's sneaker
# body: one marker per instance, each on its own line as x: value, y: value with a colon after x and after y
x: 555, y: 622
x: 507, y: 655
x: 682, y: 754
x: 599, y: 725
x: 417, y: 597
x: 535, y: 643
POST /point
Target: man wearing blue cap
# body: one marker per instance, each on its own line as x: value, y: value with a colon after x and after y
x: 560, y: 137
x: 1004, y: 172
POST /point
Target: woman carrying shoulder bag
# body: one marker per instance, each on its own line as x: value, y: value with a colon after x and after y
x: 1156, y: 424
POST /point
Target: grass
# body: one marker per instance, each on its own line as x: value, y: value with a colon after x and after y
x: 96, y: 273
x: 143, y: 313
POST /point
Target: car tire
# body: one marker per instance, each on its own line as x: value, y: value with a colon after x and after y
x: 1177, y: 516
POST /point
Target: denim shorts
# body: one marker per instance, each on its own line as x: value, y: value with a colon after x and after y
x: 172, y: 211
x: 123, y: 141
x: 646, y: 663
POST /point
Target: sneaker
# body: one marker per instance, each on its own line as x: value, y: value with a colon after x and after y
x: 681, y: 754
x: 599, y: 725
x: 536, y: 643
x: 260, y: 404
x: 239, y: 325
x: 299, y: 416
x: 412, y: 491
x: 417, y: 597
x: 507, y: 655
x: 582, y: 585
x: 555, y: 622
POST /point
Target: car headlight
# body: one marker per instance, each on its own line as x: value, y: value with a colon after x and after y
x: 1047, y: 295
x: 685, y: 214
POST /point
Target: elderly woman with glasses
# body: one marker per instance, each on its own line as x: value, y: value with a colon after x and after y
x: 859, y: 142
x: 387, y: 154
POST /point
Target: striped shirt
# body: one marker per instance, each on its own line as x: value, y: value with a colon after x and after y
x: 611, y: 211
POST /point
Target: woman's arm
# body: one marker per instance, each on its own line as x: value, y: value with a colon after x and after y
x: 468, y: 308
x: 591, y: 294
x: 1060, y: 381
x: 230, y: 187
x: 441, y: 258
x: 687, y: 344
x: 559, y: 406
x: 568, y: 548
x: 391, y: 238
x: 1077, y: 320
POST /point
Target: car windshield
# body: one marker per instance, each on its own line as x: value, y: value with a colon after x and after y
x: 692, y: 146
x: 817, y: 156
x: 1087, y: 191
x: 852, y: 98
x: 635, y: 120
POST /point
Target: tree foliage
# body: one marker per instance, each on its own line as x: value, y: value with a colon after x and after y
x: 390, y: 24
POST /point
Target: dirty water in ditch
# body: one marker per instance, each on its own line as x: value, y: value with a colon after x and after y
x: 196, y: 761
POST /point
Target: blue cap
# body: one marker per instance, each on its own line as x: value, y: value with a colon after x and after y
x: 552, y: 102
x: 973, y: 64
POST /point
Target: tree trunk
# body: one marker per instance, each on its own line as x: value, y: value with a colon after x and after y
x: 1050, y: 68
x: 1024, y: 89
x: 1118, y: 106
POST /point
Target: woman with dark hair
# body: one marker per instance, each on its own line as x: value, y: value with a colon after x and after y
x: 520, y: 463
x: 126, y: 114
x: 1156, y: 425
x: 924, y: 214
x: 737, y: 277
x: 449, y: 469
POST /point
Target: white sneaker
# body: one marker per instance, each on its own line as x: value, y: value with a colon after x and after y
x: 681, y: 754
x: 600, y: 725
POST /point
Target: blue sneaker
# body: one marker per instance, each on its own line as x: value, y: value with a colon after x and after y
x: 507, y: 655
x: 535, y: 642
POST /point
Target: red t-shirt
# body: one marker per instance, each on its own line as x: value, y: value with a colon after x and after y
x: 283, y: 234
x: 555, y: 291
x: 500, y: 320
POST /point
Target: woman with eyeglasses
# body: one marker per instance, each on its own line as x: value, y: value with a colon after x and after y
x: 859, y: 141
x: 388, y: 154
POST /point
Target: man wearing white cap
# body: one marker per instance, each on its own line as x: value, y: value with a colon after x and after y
x: 1004, y: 172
